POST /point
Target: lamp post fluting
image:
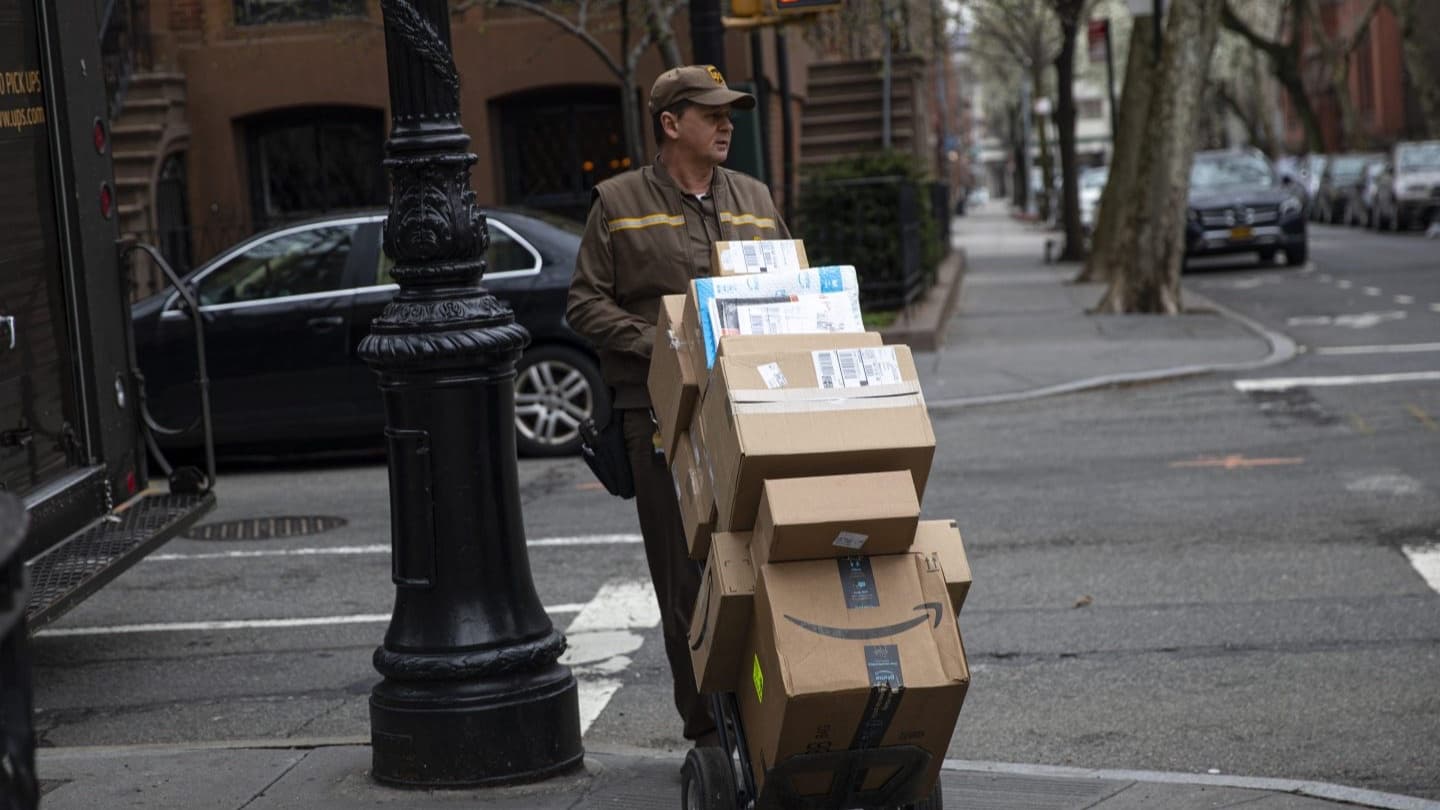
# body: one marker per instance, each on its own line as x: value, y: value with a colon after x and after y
x: 472, y: 691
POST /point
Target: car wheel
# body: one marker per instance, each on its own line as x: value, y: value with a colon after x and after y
x: 556, y: 388
x: 1296, y: 256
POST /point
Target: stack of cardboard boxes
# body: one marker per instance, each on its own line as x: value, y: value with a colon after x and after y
x: 800, y: 447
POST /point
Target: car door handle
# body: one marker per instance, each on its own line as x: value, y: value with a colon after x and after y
x: 325, y: 324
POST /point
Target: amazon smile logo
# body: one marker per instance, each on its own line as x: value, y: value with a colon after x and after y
x: 932, y: 610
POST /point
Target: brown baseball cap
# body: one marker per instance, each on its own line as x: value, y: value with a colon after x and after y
x: 701, y: 84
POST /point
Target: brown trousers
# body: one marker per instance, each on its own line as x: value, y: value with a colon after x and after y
x: 675, y: 575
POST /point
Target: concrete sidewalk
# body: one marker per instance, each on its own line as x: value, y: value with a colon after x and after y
x: 334, y: 777
x: 1021, y: 331
x: 1021, y: 328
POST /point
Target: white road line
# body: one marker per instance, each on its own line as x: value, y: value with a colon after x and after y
x: 1405, y: 300
x: 243, y: 624
x: 378, y: 548
x: 1286, y: 383
x: 1372, y: 290
x: 1323, y: 278
x: 1435, y: 307
x: 1426, y: 560
x: 1344, y: 284
x: 602, y: 641
x: 1394, y: 348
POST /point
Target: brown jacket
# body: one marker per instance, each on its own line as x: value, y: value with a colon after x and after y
x: 644, y: 240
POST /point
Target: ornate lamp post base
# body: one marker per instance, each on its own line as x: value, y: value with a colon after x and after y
x: 462, y: 735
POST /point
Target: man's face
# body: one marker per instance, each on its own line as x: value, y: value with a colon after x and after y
x: 702, y: 132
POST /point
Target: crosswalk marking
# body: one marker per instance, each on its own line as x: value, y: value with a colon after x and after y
x: 1426, y: 560
x: 1286, y: 383
x: 602, y: 641
x: 382, y: 548
x: 243, y: 624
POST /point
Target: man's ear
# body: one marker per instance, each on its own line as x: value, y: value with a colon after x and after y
x: 670, y: 123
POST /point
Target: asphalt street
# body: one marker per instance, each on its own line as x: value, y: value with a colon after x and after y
x: 1214, y: 574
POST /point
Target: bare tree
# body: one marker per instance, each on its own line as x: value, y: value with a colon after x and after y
x: 1284, y: 51
x: 1420, y: 32
x: 1335, y: 51
x: 1070, y: 13
x: 1148, y: 260
x: 1120, y: 193
x: 593, y: 20
x: 1020, y: 36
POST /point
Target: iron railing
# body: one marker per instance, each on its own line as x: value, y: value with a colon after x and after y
x: 877, y: 225
x: 124, y: 48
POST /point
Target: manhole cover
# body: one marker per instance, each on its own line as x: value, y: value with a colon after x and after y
x: 266, y: 528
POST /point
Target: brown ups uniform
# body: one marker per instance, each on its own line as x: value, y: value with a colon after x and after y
x: 646, y: 238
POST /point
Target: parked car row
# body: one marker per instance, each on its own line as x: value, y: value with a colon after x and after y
x: 1394, y: 190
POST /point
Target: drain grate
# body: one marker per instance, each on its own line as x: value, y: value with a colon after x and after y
x: 266, y: 528
x: 1295, y: 405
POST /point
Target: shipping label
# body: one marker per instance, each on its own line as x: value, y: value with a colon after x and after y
x: 857, y: 582
x: 772, y: 375
x: 856, y: 368
x: 851, y: 540
x: 759, y: 256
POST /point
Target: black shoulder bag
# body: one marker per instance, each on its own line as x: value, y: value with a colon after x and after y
x: 604, y: 451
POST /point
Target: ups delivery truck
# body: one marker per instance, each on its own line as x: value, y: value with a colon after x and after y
x: 72, y: 437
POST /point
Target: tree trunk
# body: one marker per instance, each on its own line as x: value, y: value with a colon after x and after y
x: 1042, y: 132
x: 1121, y: 190
x: 1065, y: 122
x: 1150, y: 282
x: 1021, y: 196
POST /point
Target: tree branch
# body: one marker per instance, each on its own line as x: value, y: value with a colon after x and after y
x: 578, y: 31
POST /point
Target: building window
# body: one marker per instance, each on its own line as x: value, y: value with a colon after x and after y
x: 1090, y: 108
x: 266, y: 12
x: 314, y: 160
x: 558, y: 144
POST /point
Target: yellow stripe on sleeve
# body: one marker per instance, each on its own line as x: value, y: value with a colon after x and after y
x: 647, y: 221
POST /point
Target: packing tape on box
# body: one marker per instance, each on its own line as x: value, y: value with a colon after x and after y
x: 749, y: 395
x: 813, y: 405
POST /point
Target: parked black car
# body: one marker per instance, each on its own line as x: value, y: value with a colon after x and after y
x: 285, y: 310
x: 1237, y: 205
x: 1340, y: 185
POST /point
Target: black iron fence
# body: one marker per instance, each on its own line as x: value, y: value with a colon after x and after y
x: 124, y: 48
x: 885, y: 226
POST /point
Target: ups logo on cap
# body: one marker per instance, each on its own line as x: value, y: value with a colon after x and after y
x: 715, y: 74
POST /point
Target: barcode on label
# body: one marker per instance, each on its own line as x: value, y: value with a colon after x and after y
x: 856, y: 368
x: 825, y: 369
x: 851, y: 373
x: 752, y: 257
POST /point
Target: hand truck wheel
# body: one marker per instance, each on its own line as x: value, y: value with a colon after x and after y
x: 707, y: 780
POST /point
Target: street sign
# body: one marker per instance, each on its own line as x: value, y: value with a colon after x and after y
x: 1096, y: 35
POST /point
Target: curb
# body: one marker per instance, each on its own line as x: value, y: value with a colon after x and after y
x: 1298, y: 787
x: 921, y: 326
x: 1282, y: 349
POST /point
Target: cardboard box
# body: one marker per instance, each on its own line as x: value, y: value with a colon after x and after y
x: 849, y: 654
x: 731, y: 345
x: 766, y: 415
x: 693, y: 490
x: 939, y: 543
x: 720, y: 624
x: 674, y: 386
x: 818, y: 299
x: 835, y: 516
x: 758, y: 256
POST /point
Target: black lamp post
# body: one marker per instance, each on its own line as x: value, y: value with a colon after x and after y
x: 472, y: 691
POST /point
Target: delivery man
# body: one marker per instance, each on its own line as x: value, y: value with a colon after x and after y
x: 648, y: 234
